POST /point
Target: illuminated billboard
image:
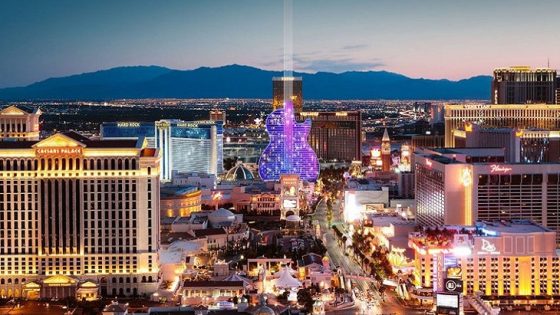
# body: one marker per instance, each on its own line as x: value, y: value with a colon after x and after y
x: 447, y: 301
x: 289, y: 204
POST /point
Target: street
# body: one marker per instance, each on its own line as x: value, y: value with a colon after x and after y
x: 368, y: 300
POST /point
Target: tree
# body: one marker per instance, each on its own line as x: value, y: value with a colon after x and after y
x: 306, y: 299
x: 229, y: 163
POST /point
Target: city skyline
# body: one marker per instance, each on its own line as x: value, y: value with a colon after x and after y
x: 51, y: 39
x: 396, y: 187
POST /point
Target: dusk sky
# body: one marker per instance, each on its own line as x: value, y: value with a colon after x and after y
x: 429, y: 38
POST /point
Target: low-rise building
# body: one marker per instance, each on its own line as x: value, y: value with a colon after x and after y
x: 210, y: 292
x: 179, y: 200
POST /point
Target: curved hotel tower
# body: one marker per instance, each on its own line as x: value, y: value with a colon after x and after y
x: 186, y: 146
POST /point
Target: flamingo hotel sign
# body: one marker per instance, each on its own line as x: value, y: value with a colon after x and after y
x: 495, y: 168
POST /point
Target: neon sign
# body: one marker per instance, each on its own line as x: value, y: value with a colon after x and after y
x: 488, y: 248
x: 495, y: 168
x: 466, y: 177
x: 59, y: 151
x: 125, y: 124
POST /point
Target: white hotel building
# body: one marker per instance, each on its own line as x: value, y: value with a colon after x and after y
x: 78, y: 217
x: 460, y: 186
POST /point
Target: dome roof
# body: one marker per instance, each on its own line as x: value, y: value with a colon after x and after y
x: 239, y: 172
x: 221, y: 216
x: 293, y: 218
x: 264, y: 310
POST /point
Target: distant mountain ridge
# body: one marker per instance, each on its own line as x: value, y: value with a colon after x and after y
x: 237, y: 81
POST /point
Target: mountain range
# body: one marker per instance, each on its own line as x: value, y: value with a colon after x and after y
x: 237, y: 81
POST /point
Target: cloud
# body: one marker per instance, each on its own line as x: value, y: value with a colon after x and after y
x: 336, y: 65
x: 334, y: 61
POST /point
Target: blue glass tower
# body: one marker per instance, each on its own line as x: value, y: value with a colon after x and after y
x: 186, y: 146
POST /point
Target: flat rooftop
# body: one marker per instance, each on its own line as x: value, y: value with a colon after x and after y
x: 512, y: 226
x: 388, y: 219
x: 472, y: 151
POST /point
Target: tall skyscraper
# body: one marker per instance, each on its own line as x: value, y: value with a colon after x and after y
x: 218, y: 115
x: 78, y: 217
x: 335, y: 135
x: 537, y: 116
x: 523, y: 85
x: 186, y: 146
x: 19, y: 123
x: 278, y: 87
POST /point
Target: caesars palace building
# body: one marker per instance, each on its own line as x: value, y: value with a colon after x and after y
x: 78, y: 217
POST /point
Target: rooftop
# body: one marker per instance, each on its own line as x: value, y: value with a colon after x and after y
x: 207, y: 232
x: 212, y: 284
x: 510, y: 226
x: 168, y: 191
x: 388, y: 219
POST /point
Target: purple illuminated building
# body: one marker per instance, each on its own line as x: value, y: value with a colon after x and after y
x: 288, y: 151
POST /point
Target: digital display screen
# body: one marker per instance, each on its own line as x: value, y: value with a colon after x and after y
x: 447, y: 300
x: 289, y: 204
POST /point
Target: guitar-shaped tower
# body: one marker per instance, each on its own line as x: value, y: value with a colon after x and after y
x: 288, y: 151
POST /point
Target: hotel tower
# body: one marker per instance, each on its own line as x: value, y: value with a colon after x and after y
x: 78, y: 217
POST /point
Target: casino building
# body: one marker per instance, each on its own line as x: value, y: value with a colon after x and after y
x: 78, y: 217
x: 460, y: 186
x: 19, y: 123
x: 523, y: 85
x: 186, y: 146
x: 521, y: 145
x: 335, y: 135
x: 510, y: 262
x: 527, y: 116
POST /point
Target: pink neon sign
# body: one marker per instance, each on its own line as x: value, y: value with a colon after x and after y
x: 495, y: 168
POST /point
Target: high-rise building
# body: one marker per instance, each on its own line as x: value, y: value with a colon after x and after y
x: 523, y: 85
x: 537, y: 116
x: 78, y: 217
x: 426, y: 141
x: 293, y: 84
x: 218, y: 115
x: 186, y: 146
x: 386, y: 159
x: 19, y: 123
x: 335, y: 135
x: 288, y: 151
x: 460, y: 186
x: 521, y: 145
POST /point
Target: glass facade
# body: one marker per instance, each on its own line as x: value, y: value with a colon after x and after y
x: 186, y: 146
